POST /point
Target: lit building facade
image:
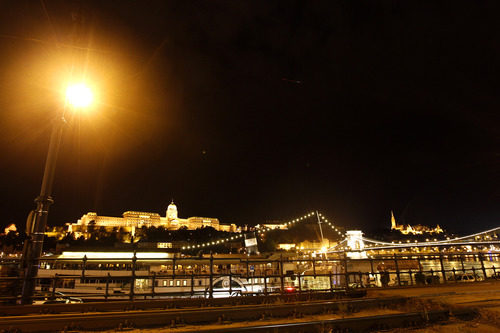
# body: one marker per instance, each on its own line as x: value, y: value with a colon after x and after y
x: 272, y: 226
x: 415, y: 230
x: 308, y: 246
x: 131, y: 220
x: 11, y: 227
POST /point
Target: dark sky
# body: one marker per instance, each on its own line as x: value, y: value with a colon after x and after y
x: 256, y: 110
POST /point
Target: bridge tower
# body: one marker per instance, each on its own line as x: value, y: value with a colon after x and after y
x: 356, y: 244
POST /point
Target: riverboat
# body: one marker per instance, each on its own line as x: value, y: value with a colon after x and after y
x: 148, y: 273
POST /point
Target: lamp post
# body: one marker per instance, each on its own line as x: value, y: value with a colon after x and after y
x: 77, y: 96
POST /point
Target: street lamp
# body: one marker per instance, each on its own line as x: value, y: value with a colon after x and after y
x: 77, y: 96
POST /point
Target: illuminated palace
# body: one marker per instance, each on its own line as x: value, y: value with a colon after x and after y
x: 132, y: 220
x: 415, y: 230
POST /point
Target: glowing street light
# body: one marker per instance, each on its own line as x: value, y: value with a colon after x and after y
x: 78, y: 96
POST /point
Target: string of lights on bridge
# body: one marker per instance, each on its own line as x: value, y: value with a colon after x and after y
x: 325, y: 221
x: 212, y: 243
x: 263, y: 229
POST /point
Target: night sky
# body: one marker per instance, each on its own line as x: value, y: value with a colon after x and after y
x: 256, y: 110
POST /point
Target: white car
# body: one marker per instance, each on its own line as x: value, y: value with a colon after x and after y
x: 221, y: 288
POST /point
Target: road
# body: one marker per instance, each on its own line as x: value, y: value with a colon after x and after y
x: 460, y: 294
x: 482, y: 295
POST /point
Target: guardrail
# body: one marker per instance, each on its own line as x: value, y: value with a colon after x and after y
x: 133, y: 278
x: 149, y: 317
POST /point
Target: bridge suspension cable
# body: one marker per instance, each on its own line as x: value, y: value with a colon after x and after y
x: 334, y: 228
x: 429, y: 243
x: 261, y: 229
x: 265, y: 229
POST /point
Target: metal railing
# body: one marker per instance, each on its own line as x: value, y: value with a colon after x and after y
x: 130, y: 279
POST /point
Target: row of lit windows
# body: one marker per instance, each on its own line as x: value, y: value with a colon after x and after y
x: 100, y: 281
x: 177, y: 283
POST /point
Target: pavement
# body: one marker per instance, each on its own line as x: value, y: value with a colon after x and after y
x: 483, y: 295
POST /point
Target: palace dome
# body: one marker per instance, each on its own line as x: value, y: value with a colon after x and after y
x: 172, y: 211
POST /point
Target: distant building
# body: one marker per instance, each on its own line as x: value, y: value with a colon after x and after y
x: 56, y: 232
x: 415, y: 230
x: 272, y: 225
x: 311, y: 246
x: 286, y: 246
x: 308, y: 246
x: 131, y: 220
x: 12, y: 227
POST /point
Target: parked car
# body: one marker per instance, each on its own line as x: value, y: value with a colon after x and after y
x: 432, y: 279
x: 57, y: 298
x: 465, y: 277
x: 355, y: 285
x: 221, y: 288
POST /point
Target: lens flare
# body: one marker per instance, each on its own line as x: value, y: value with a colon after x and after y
x: 79, y: 95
